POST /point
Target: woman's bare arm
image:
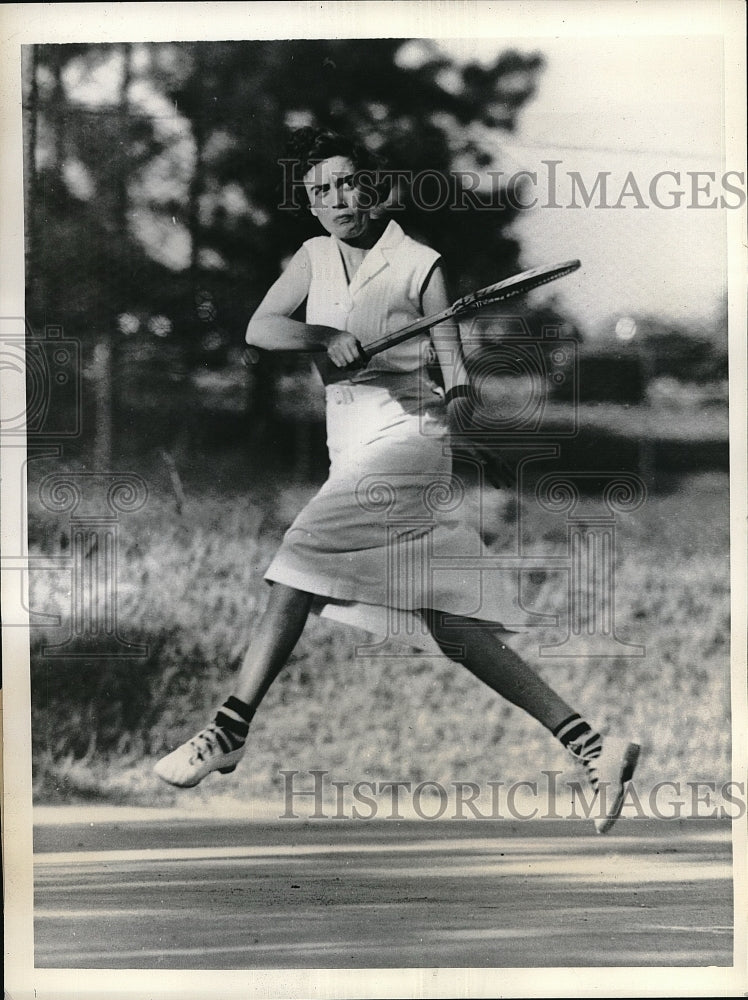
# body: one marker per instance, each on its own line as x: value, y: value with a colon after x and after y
x: 272, y: 328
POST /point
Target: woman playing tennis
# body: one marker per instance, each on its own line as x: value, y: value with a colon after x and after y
x: 362, y: 551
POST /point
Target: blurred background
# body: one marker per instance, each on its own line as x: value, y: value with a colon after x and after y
x: 153, y: 229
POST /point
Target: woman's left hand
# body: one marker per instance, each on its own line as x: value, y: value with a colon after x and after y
x: 466, y: 442
x: 460, y: 409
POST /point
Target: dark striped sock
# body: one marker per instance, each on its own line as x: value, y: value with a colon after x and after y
x: 233, y: 719
x: 241, y: 708
x: 579, y: 738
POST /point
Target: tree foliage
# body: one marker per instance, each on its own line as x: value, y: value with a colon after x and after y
x: 155, y: 183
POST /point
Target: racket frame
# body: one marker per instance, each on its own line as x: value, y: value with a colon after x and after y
x: 510, y: 288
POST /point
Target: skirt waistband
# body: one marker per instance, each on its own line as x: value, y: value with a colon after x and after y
x: 395, y: 384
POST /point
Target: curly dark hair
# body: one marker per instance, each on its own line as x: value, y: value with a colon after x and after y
x: 310, y: 145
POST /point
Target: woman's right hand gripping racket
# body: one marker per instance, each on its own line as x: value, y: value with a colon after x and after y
x: 498, y: 472
x: 510, y: 288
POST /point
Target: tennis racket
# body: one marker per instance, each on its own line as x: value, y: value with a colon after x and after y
x: 498, y: 473
x: 510, y: 288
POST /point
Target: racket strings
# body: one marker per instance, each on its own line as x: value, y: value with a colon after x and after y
x: 487, y: 298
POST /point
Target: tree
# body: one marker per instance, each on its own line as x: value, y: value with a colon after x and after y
x: 182, y: 152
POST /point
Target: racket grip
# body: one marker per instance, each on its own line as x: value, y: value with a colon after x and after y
x: 330, y: 373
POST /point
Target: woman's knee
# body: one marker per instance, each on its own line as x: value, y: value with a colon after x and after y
x: 457, y: 635
x: 448, y: 631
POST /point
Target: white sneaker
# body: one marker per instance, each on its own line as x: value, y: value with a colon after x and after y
x: 186, y: 766
x: 609, y: 774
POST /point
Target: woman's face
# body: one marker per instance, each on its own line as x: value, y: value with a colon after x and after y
x: 335, y: 200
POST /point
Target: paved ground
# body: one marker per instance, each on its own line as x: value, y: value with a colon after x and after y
x: 200, y: 894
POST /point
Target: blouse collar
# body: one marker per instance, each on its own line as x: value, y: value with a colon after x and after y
x: 377, y: 258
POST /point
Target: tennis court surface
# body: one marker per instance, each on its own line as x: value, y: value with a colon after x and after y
x: 206, y: 894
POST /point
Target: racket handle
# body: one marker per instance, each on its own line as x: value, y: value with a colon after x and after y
x: 330, y: 373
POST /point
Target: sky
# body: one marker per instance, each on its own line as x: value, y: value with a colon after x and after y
x: 631, y: 107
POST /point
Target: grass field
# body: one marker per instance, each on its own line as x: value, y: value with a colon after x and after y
x: 189, y: 586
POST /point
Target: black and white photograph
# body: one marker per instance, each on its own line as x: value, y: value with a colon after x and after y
x: 373, y: 465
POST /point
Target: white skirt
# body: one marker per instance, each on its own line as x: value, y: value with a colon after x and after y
x: 389, y: 532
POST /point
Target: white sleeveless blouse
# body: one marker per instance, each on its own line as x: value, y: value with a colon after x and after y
x: 387, y: 533
x: 383, y: 296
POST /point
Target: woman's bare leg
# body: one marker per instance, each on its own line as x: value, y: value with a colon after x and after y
x: 610, y: 763
x: 487, y: 656
x: 220, y: 746
x: 272, y: 642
